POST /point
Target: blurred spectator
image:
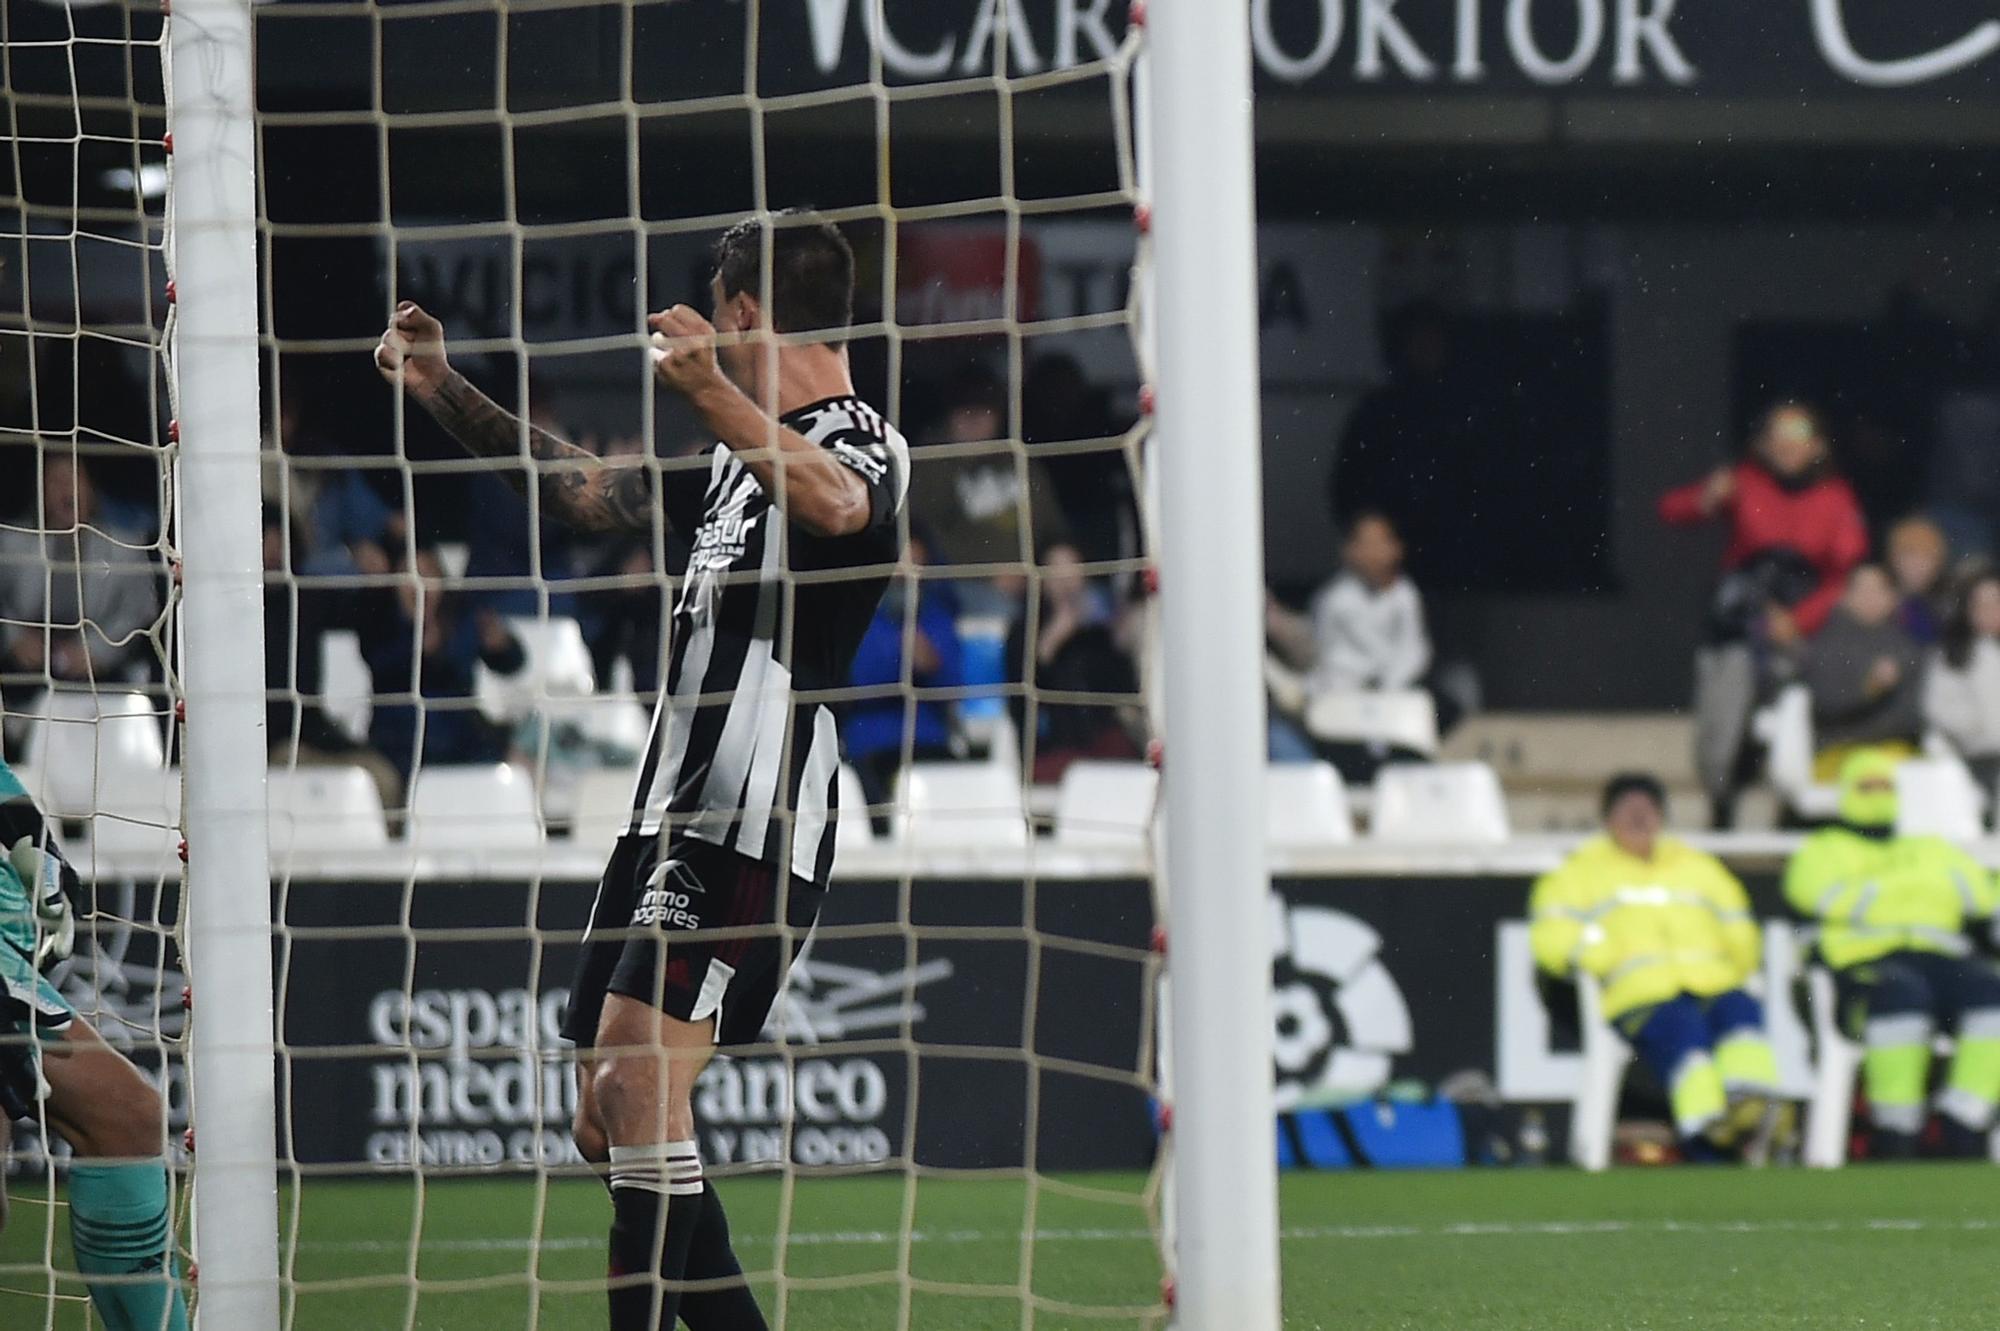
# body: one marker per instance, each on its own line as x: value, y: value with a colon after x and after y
x: 1075, y: 645
x: 1918, y: 555
x: 873, y: 728
x: 1365, y: 632
x: 502, y: 545
x: 295, y: 618
x: 1962, y: 687
x: 1795, y: 531
x: 624, y: 620
x: 1094, y: 488
x: 421, y: 644
x: 1865, y: 674
x: 76, y: 598
x: 986, y: 506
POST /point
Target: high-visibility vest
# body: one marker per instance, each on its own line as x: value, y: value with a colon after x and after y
x: 1877, y: 895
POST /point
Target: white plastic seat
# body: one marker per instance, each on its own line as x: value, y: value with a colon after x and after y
x: 136, y: 822
x: 1439, y: 804
x: 557, y: 667
x: 324, y: 809
x: 346, y: 689
x: 853, y: 827
x: 1836, y: 1062
x: 1786, y: 728
x: 1402, y: 718
x: 1305, y: 804
x: 1594, y: 1116
x: 946, y: 805
x: 80, y: 739
x: 1939, y: 797
x: 1106, y: 803
x: 474, y: 808
x: 603, y: 806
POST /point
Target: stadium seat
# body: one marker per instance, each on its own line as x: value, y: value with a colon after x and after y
x: 1939, y: 797
x: 1305, y: 804
x: 1594, y: 1117
x: 1786, y: 729
x: 78, y: 740
x: 1401, y: 719
x: 1836, y: 1062
x: 346, y: 689
x: 136, y: 822
x: 316, y: 810
x: 947, y: 805
x: 558, y: 666
x: 603, y: 806
x: 853, y: 829
x: 1106, y: 803
x: 1439, y: 803
x: 474, y: 808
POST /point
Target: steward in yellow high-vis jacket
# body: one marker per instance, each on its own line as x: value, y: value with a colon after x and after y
x: 1667, y: 932
x: 1893, y: 913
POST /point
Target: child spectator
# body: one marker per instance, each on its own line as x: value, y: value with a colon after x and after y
x: 1795, y: 531
x: 1918, y: 555
x: 873, y: 727
x: 1863, y: 670
x: 427, y: 691
x: 1962, y: 689
x: 1071, y: 645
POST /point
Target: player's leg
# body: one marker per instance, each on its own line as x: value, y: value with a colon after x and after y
x: 1672, y: 1039
x: 1749, y: 1069
x: 646, y: 1066
x: 1892, y: 999
x: 1972, y: 1088
x: 111, y: 1117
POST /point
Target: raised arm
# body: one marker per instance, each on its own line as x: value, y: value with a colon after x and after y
x: 821, y: 491
x: 577, y: 487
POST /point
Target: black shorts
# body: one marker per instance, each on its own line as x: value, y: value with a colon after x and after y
x: 694, y: 933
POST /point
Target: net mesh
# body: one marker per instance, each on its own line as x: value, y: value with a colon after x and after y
x: 949, y: 1121
x: 86, y: 545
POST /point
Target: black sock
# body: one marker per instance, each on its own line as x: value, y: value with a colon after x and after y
x: 651, y: 1185
x: 728, y: 1307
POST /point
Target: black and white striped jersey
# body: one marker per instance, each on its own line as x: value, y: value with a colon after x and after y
x: 768, y: 611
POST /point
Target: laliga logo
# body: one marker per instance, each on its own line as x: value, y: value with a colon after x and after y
x: 1340, y: 1017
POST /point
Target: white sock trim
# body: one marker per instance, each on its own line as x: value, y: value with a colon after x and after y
x: 670, y: 1168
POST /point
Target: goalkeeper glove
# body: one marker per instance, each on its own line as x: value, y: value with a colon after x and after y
x: 45, y: 875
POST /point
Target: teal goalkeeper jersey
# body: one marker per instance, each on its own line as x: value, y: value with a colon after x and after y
x: 17, y: 911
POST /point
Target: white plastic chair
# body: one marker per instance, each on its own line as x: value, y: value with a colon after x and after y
x: 80, y: 740
x: 1786, y: 728
x: 1439, y: 804
x: 1836, y: 1062
x: 346, y: 688
x: 602, y: 807
x: 1939, y: 797
x: 948, y: 805
x: 1105, y: 803
x: 557, y: 666
x: 853, y: 828
x: 1305, y: 804
x: 1404, y: 718
x: 137, y: 817
x: 315, y: 810
x: 475, y: 808
x: 1594, y: 1116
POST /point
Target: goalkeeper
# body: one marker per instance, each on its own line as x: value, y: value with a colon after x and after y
x: 53, y: 1064
x: 1893, y: 913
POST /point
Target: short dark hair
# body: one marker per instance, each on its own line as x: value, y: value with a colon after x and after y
x: 812, y: 269
x: 1633, y: 783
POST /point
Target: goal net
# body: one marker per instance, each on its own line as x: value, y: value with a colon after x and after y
x: 954, y: 1116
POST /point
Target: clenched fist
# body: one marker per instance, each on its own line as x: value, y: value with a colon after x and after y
x: 412, y: 350
x: 683, y: 349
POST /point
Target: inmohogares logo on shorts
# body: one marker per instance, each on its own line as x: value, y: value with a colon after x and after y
x: 1340, y: 1017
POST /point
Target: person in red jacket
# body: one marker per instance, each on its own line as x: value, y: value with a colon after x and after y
x: 1795, y: 532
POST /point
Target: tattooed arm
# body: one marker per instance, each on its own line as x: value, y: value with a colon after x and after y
x: 577, y: 487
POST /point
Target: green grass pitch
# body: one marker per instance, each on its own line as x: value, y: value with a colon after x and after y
x: 1721, y: 1250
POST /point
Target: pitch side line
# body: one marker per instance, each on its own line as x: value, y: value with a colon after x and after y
x: 1291, y: 1233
